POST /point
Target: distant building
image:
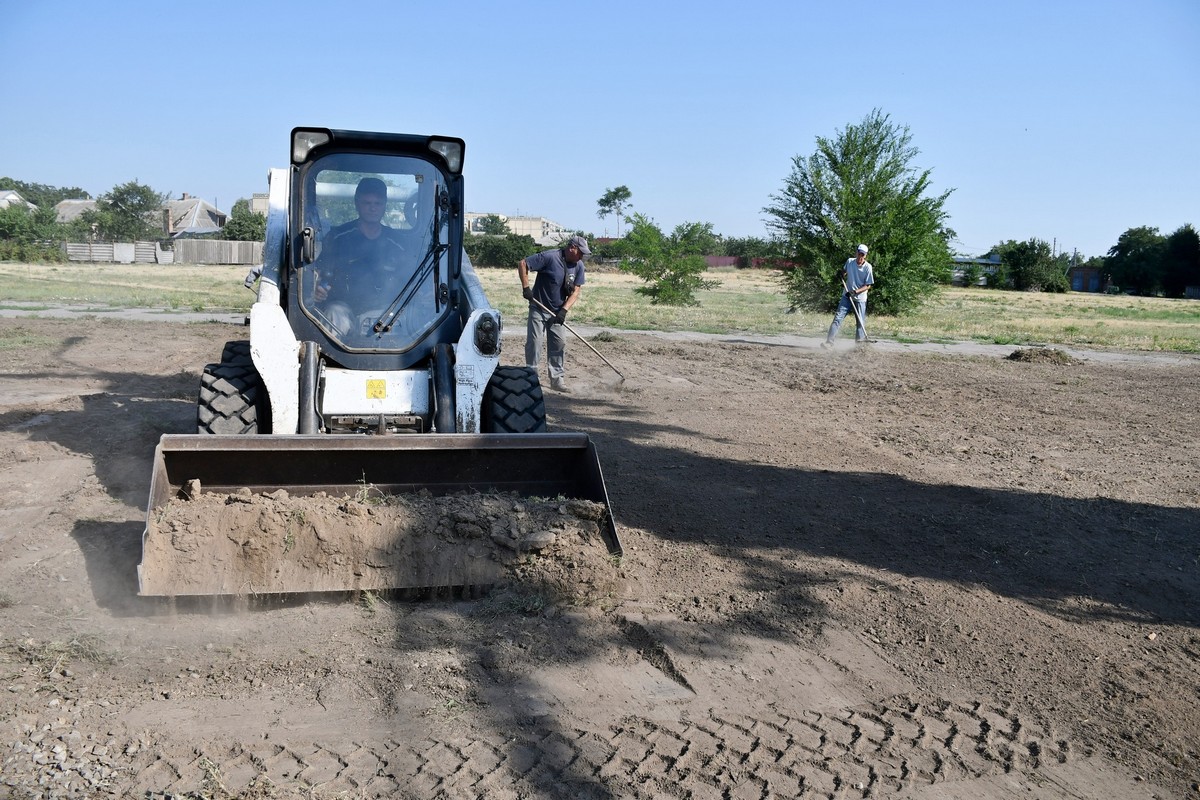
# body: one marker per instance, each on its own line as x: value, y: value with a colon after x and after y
x: 71, y: 210
x: 11, y: 197
x: 191, y: 216
x: 988, y: 267
x: 260, y: 203
x: 544, y: 232
x: 1087, y: 279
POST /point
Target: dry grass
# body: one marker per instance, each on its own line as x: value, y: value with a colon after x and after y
x: 750, y: 301
x: 51, y: 656
x: 745, y: 301
x: 114, y: 286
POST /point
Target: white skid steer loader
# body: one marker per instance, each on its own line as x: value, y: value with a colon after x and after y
x: 373, y: 359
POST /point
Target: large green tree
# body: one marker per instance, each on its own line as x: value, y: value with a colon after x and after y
x: 128, y: 213
x: 1031, y: 266
x: 1181, y: 261
x: 861, y: 187
x: 614, y: 202
x: 672, y: 266
x: 244, y: 225
x: 1135, y: 261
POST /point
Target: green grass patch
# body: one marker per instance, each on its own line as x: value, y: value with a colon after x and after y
x: 19, y: 338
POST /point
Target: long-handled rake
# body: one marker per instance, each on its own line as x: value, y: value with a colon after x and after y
x: 537, y: 303
x: 854, y: 307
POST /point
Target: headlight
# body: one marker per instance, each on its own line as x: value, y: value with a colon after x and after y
x: 451, y: 150
x: 305, y: 140
x: 487, y: 334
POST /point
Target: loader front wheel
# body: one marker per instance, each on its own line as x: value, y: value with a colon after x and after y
x: 514, y: 402
x: 232, y: 399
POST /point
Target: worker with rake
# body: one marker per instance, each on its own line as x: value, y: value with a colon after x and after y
x: 857, y: 277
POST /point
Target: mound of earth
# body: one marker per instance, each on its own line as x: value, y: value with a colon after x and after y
x: 1043, y: 355
x: 246, y: 544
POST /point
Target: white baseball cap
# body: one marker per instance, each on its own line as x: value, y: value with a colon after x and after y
x: 862, y: 248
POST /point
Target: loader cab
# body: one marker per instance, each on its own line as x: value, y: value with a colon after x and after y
x: 376, y: 245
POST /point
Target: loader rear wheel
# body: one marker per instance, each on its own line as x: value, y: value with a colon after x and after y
x: 513, y: 402
x: 232, y: 400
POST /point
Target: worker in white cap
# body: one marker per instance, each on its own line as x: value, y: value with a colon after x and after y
x: 857, y: 277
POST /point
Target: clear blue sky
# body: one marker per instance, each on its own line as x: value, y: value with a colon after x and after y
x: 1065, y: 120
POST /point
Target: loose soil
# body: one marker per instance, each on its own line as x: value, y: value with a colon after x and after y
x: 872, y: 572
x: 273, y: 542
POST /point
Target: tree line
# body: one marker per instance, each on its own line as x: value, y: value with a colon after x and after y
x: 129, y: 212
x: 860, y: 185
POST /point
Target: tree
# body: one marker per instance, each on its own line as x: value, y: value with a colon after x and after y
x: 1030, y: 267
x: 749, y: 247
x: 671, y: 266
x: 41, y: 195
x: 498, y: 251
x: 861, y: 187
x: 245, y: 225
x: 1135, y: 261
x: 1181, y: 261
x: 493, y: 225
x: 20, y: 223
x: 615, y: 201
x: 128, y: 213
x: 28, y: 234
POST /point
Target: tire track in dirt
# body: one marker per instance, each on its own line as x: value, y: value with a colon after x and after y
x: 878, y: 749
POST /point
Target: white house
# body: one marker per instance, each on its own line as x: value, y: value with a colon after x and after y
x: 11, y: 197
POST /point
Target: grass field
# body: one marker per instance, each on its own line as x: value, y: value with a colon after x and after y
x: 744, y: 302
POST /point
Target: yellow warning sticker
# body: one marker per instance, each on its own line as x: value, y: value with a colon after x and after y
x: 376, y: 389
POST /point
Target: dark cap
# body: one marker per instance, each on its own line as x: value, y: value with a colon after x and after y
x: 580, y: 243
x: 371, y: 186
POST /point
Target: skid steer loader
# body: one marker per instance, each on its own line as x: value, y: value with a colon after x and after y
x: 371, y: 362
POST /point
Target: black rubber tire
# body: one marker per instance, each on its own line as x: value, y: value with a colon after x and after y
x: 236, y: 352
x: 232, y: 399
x: 513, y: 402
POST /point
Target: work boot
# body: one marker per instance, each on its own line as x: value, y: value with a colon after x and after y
x: 826, y: 345
x: 559, y: 385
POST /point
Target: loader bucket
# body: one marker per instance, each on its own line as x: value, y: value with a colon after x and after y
x: 230, y: 554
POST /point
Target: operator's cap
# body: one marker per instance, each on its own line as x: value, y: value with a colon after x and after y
x: 371, y: 186
x: 862, y: 248
x: 581, y: 243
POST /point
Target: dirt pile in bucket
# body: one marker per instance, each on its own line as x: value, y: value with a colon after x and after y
x: 246, y: 543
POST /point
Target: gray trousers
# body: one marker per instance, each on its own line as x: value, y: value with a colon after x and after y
x: 537, y: 332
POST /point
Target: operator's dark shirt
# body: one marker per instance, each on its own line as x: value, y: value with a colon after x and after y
x: 552, y: 269
x: 362, y: 272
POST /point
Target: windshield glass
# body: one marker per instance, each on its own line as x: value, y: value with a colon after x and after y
x: 379, y: 245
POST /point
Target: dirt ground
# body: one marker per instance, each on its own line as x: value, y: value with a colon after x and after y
x: 880, y: 572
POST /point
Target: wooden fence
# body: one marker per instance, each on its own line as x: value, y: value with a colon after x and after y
x: 185, y: 251
x: 213, y: 251
x: 120, y: 252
